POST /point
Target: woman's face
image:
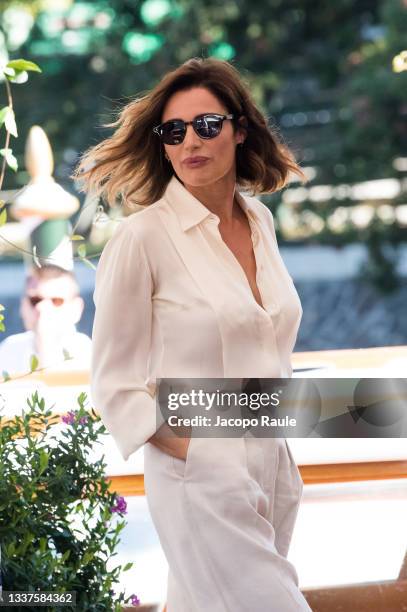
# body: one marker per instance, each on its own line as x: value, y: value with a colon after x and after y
x: 219, y: 151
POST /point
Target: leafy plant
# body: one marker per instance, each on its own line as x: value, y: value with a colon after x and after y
x: 15, y: 71
x: 59, y: 521
x: 58, y: 517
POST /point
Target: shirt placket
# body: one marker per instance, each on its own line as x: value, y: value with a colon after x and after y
x: 264, y: 279
x: 231, y: 260
x: 261, y: 319
x: 264, y: 275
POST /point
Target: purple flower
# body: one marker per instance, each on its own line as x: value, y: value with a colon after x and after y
x: 120, y: 506
x: 69, y: 418
x: 135, y: 600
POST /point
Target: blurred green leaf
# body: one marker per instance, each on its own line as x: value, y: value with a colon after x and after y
x: 127, y: 566
x: 10, y: 122
x: 3, y: 217
x: 44, y: 458
x: 3, y: 114
x: 10, y: 159
x: 33, y: 362
x: 9, y: 71
x: 21, y: 76
x: 22, y: 64
x: 66, y: 354
x: 89, y: 263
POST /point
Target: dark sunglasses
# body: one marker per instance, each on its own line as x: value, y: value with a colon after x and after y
x: 206, y: 126
x: 36, y: 299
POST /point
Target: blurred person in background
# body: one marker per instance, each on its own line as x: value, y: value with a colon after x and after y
x: 50, y: 309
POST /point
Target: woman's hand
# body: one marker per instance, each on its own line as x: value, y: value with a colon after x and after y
x: 173, y: 444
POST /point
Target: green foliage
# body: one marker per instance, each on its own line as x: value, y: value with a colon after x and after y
x: 11, y: 160
x: 2, y: 326
x: 33, y: 363
x: 7, y: 117
x: 3, y: 217
x: 15, y: 71
x: 57, y: 514
x: 320, y: 71
x: 374, y: 133
x: 82, y: 252
x: 20, y: 65
x: 381, y: 265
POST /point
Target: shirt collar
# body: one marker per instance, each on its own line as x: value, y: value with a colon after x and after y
x: 190, y: 210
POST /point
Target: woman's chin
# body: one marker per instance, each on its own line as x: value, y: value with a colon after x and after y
x: 196, y: 178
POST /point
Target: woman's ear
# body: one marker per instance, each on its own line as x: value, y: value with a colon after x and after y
x: 242, y: 123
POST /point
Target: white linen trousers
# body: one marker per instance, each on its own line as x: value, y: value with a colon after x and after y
x: 173, y: 301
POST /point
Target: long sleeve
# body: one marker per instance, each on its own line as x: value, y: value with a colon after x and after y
x: 120, y: 389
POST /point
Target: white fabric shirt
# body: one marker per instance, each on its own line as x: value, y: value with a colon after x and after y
x: 16, y: 351
x: 173, y: 301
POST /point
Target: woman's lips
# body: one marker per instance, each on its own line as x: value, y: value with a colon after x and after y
x: 195, y: 163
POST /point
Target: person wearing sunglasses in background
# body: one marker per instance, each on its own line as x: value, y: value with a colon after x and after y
x: 50, y: 308
x: 193, y: 286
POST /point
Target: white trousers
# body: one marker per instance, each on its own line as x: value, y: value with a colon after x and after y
x: 225, y: 518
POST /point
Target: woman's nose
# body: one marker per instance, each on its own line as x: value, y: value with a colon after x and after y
x: 191, y: 137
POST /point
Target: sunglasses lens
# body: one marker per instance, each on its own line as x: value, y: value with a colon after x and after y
x: 173, y: 132
x: 208, y: 127
x: 57, y: 301
x: 36, y: 299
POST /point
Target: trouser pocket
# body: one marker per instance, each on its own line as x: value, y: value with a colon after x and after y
x: 255, y: 459
x: 180, y: 466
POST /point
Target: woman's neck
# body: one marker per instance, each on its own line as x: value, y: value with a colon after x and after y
x: 219, y: 198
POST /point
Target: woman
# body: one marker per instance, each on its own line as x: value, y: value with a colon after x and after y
x: 193, y: 286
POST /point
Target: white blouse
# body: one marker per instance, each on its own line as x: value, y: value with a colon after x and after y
x: 172, y: 300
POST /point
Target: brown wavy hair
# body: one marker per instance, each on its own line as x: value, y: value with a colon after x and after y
x: 130, y: 165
